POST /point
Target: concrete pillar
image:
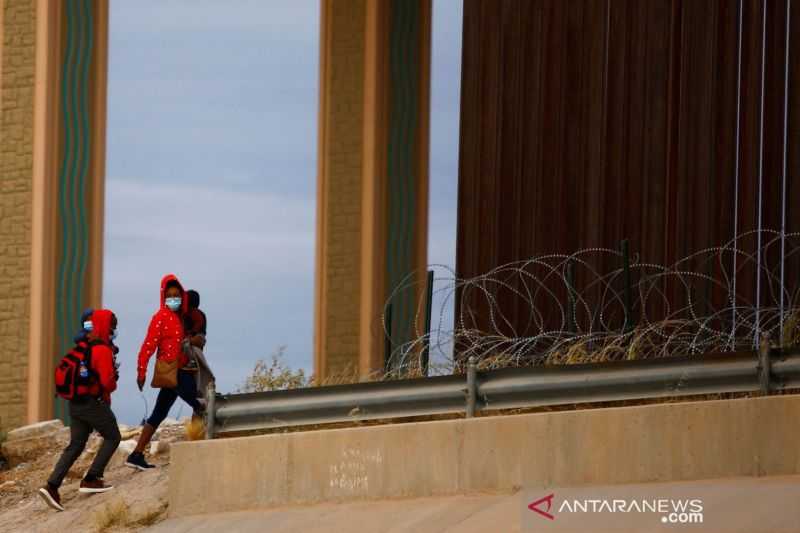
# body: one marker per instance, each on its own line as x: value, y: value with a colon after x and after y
x: 52, y: 170
x: 17, y: 65
x: 372, y: 175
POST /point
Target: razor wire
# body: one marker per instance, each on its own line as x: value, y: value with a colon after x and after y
x: 581, y: 308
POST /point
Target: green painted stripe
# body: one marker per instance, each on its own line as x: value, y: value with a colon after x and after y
x: 60, y: 407
x: 409, y: 162
x: 406, y: 176
x: 72, y: 186
x: 69, y: 317
x: 401, y: 171
x: 397, y: 199
x: 392, y: 155
x: 73, y: 222
x: 83, y: 232
x: 73, y: 175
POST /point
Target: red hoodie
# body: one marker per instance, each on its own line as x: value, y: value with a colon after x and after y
x: 102, y: 359
x: 165, y: 332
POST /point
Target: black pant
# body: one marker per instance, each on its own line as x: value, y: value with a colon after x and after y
x: 88, y: 414
x: 186, y: 389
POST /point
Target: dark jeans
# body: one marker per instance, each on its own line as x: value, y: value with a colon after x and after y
x: 88, y: 414
x: 186, y: 389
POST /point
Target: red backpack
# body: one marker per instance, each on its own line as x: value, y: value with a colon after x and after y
x: 70, y: 384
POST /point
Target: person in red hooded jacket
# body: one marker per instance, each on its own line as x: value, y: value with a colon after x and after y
x: 164, y: 337
x: 90, y: 410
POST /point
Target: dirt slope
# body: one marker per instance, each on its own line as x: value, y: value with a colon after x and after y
x: 138, y: 500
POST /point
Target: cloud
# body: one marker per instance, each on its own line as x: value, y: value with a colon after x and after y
x: 198, y: 87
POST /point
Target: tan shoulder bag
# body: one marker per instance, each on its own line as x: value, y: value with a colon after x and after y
x: 165, y: 375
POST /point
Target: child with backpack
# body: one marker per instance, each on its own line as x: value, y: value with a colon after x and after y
x: 86, y: 378
x: 83, y: 336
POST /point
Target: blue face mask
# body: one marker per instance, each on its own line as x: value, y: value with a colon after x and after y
x: 173, y: 303
x: 87, y: 325
x: 113, y: 335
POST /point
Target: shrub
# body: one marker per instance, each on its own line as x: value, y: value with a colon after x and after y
x: 274, y: 374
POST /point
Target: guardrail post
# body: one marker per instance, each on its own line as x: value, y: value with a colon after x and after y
x: 764, y: 364
x: 211, y: 409
x: 472, y: 385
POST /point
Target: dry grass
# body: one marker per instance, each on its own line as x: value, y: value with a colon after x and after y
x: 117, y: 514
x: 113, y: 514
x: 195, y: 429
x: 150, y: 517
x: 342, y: 376
x: 790, y: 336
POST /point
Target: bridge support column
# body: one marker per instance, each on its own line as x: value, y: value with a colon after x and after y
x: 53, y: 59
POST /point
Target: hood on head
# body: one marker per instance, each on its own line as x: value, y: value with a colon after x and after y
x: 101, y: 323
x: 184, y: 299
x: 194, y: 299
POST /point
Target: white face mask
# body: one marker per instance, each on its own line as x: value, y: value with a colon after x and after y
x: 87, y: 325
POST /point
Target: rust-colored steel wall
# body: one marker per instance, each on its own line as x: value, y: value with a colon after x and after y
x: 587, y: 122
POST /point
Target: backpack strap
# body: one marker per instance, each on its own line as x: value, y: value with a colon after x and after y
x: 81, y: 347
x: 88, y: 355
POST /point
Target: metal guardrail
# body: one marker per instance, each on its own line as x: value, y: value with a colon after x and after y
x: 769, y: 369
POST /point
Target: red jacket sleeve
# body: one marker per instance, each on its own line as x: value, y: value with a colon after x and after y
x: 103, y: 365
x: 149, y: 345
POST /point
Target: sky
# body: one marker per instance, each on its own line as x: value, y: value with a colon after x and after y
x: 211, y: 173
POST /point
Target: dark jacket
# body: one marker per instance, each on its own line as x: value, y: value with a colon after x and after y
x: 195, y: 322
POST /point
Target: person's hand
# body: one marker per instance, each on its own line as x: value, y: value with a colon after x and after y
x: 198, y: 340
x: 140, y: 383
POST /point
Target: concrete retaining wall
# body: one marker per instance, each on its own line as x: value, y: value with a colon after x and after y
x: 666, y: 442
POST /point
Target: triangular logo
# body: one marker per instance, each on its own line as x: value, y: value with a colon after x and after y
x: 535, y: 506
